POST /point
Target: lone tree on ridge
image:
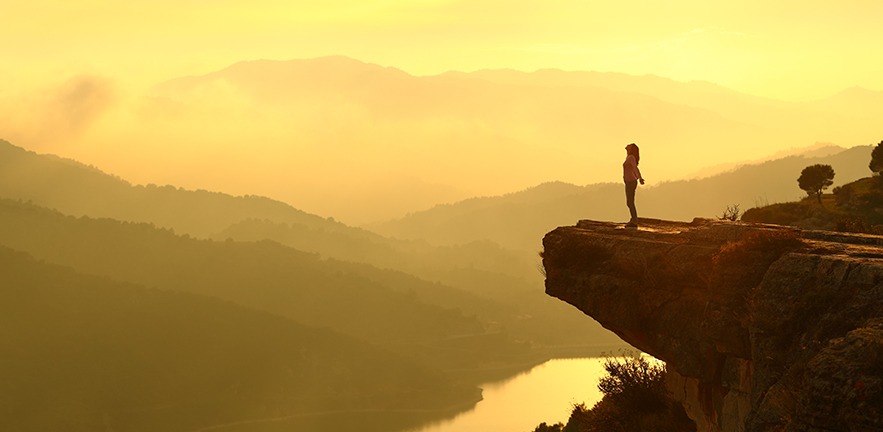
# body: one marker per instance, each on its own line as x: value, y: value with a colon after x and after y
x: 876, y: 164
x: 816, y: 178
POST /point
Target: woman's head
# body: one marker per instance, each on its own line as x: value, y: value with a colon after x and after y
x: 632, y: 149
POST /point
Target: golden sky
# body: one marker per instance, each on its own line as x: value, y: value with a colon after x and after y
x: 787, y: 49
x: 77, y: 76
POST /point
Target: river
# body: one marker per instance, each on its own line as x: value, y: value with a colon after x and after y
x: 545, y: 393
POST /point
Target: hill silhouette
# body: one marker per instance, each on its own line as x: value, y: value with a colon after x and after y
x: 370, y: 304
x: 518, y: 219
x: 77, y: 189
x: 365, y: 143
x: 85, y: 353
x: 494, y: 284
x: 852, y: 207
x: 503, y: 286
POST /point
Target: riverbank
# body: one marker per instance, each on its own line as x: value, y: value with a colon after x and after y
x: 363, y: 420
x: 494, y: 380
x: 544, y: 393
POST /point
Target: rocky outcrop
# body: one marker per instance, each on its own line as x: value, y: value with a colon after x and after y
x: 762, y: 327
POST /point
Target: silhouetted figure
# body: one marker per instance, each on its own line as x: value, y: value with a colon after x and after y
x: 631, y: 175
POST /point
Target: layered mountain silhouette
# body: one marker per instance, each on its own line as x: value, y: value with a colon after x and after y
x: 85, y: 353
x: 365, y: 303
x: 480, y: 278
x: 114, y: 238
x: 518, y: 219
x: 146, y: 307
x: 365, y: 143
x: 77, y: 189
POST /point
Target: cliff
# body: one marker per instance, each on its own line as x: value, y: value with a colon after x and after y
x: 762, y: 327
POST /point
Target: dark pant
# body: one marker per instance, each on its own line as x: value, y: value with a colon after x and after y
x: 630, y: 187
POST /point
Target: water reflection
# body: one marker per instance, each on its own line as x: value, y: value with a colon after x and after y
x: 546, y: 393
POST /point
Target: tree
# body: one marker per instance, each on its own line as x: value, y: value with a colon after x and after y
x: 816, y: 178
x: 731, y: 213
x: 635, y: 383
x: 635, y: 400
x: 876, y: 164
x: 543, y: 427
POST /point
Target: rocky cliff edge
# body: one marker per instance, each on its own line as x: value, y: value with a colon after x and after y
x: 762, y: 327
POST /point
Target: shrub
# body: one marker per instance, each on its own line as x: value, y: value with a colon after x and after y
x: 731, y: 213
x: 851, y: 224
x: 605, y: 416
x: 635, y: 400
x: 781, y: 214
x: 634, y: 383
x: 543, y: 427
x: 876, y: 165
x: 844, y: 197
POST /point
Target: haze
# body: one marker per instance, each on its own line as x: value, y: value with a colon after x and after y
x: 355, y: 139
x: 329, y: 216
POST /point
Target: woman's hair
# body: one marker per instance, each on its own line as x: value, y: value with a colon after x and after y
x: 633, y: 150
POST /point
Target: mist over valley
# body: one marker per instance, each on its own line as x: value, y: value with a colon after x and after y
x: 221, y: 241
x: 440, y: 300
x: 362, y: 143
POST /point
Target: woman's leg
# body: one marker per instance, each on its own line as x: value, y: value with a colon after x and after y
x: 630, y: 188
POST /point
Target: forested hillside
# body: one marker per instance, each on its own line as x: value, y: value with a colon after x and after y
x: 265, y: 276
x: 76, y: 189
x: 501, y: 288
x: 85, y: 353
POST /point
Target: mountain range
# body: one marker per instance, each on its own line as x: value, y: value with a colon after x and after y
x: 499, y: 276
x: 518, y: 220
x: 459, y: 316
x: 446, y: 297
x: 133, y: 302
x: 364, y: 143
x: 85, y: 353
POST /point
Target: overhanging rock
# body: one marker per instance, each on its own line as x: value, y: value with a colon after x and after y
x: 762, y: 327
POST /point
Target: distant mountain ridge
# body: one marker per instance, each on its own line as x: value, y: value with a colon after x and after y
x: 445, y: 133
x: 479, y: 279
x: 370, y: 304
x: 424, y: 328
x: 518, y: 220
x: 855, y: 100
x: 76, y: 189
x: 79, y: 190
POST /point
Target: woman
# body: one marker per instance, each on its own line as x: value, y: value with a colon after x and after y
x: 631, y: 175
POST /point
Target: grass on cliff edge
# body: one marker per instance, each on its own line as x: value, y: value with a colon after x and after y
x: 853, y: 207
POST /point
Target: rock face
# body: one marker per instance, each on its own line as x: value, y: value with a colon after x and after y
x: 763, y: 327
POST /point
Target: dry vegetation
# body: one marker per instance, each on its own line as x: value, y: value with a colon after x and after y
x: 635, y: 399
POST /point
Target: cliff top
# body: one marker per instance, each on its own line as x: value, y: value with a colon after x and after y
x: 718, y: 232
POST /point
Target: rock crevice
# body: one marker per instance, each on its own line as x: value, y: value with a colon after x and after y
x: 759, y: 324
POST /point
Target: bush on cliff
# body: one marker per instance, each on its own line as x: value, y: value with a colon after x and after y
x: 634, y: 383
x: 853, y: 207
x: 635, y: 399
